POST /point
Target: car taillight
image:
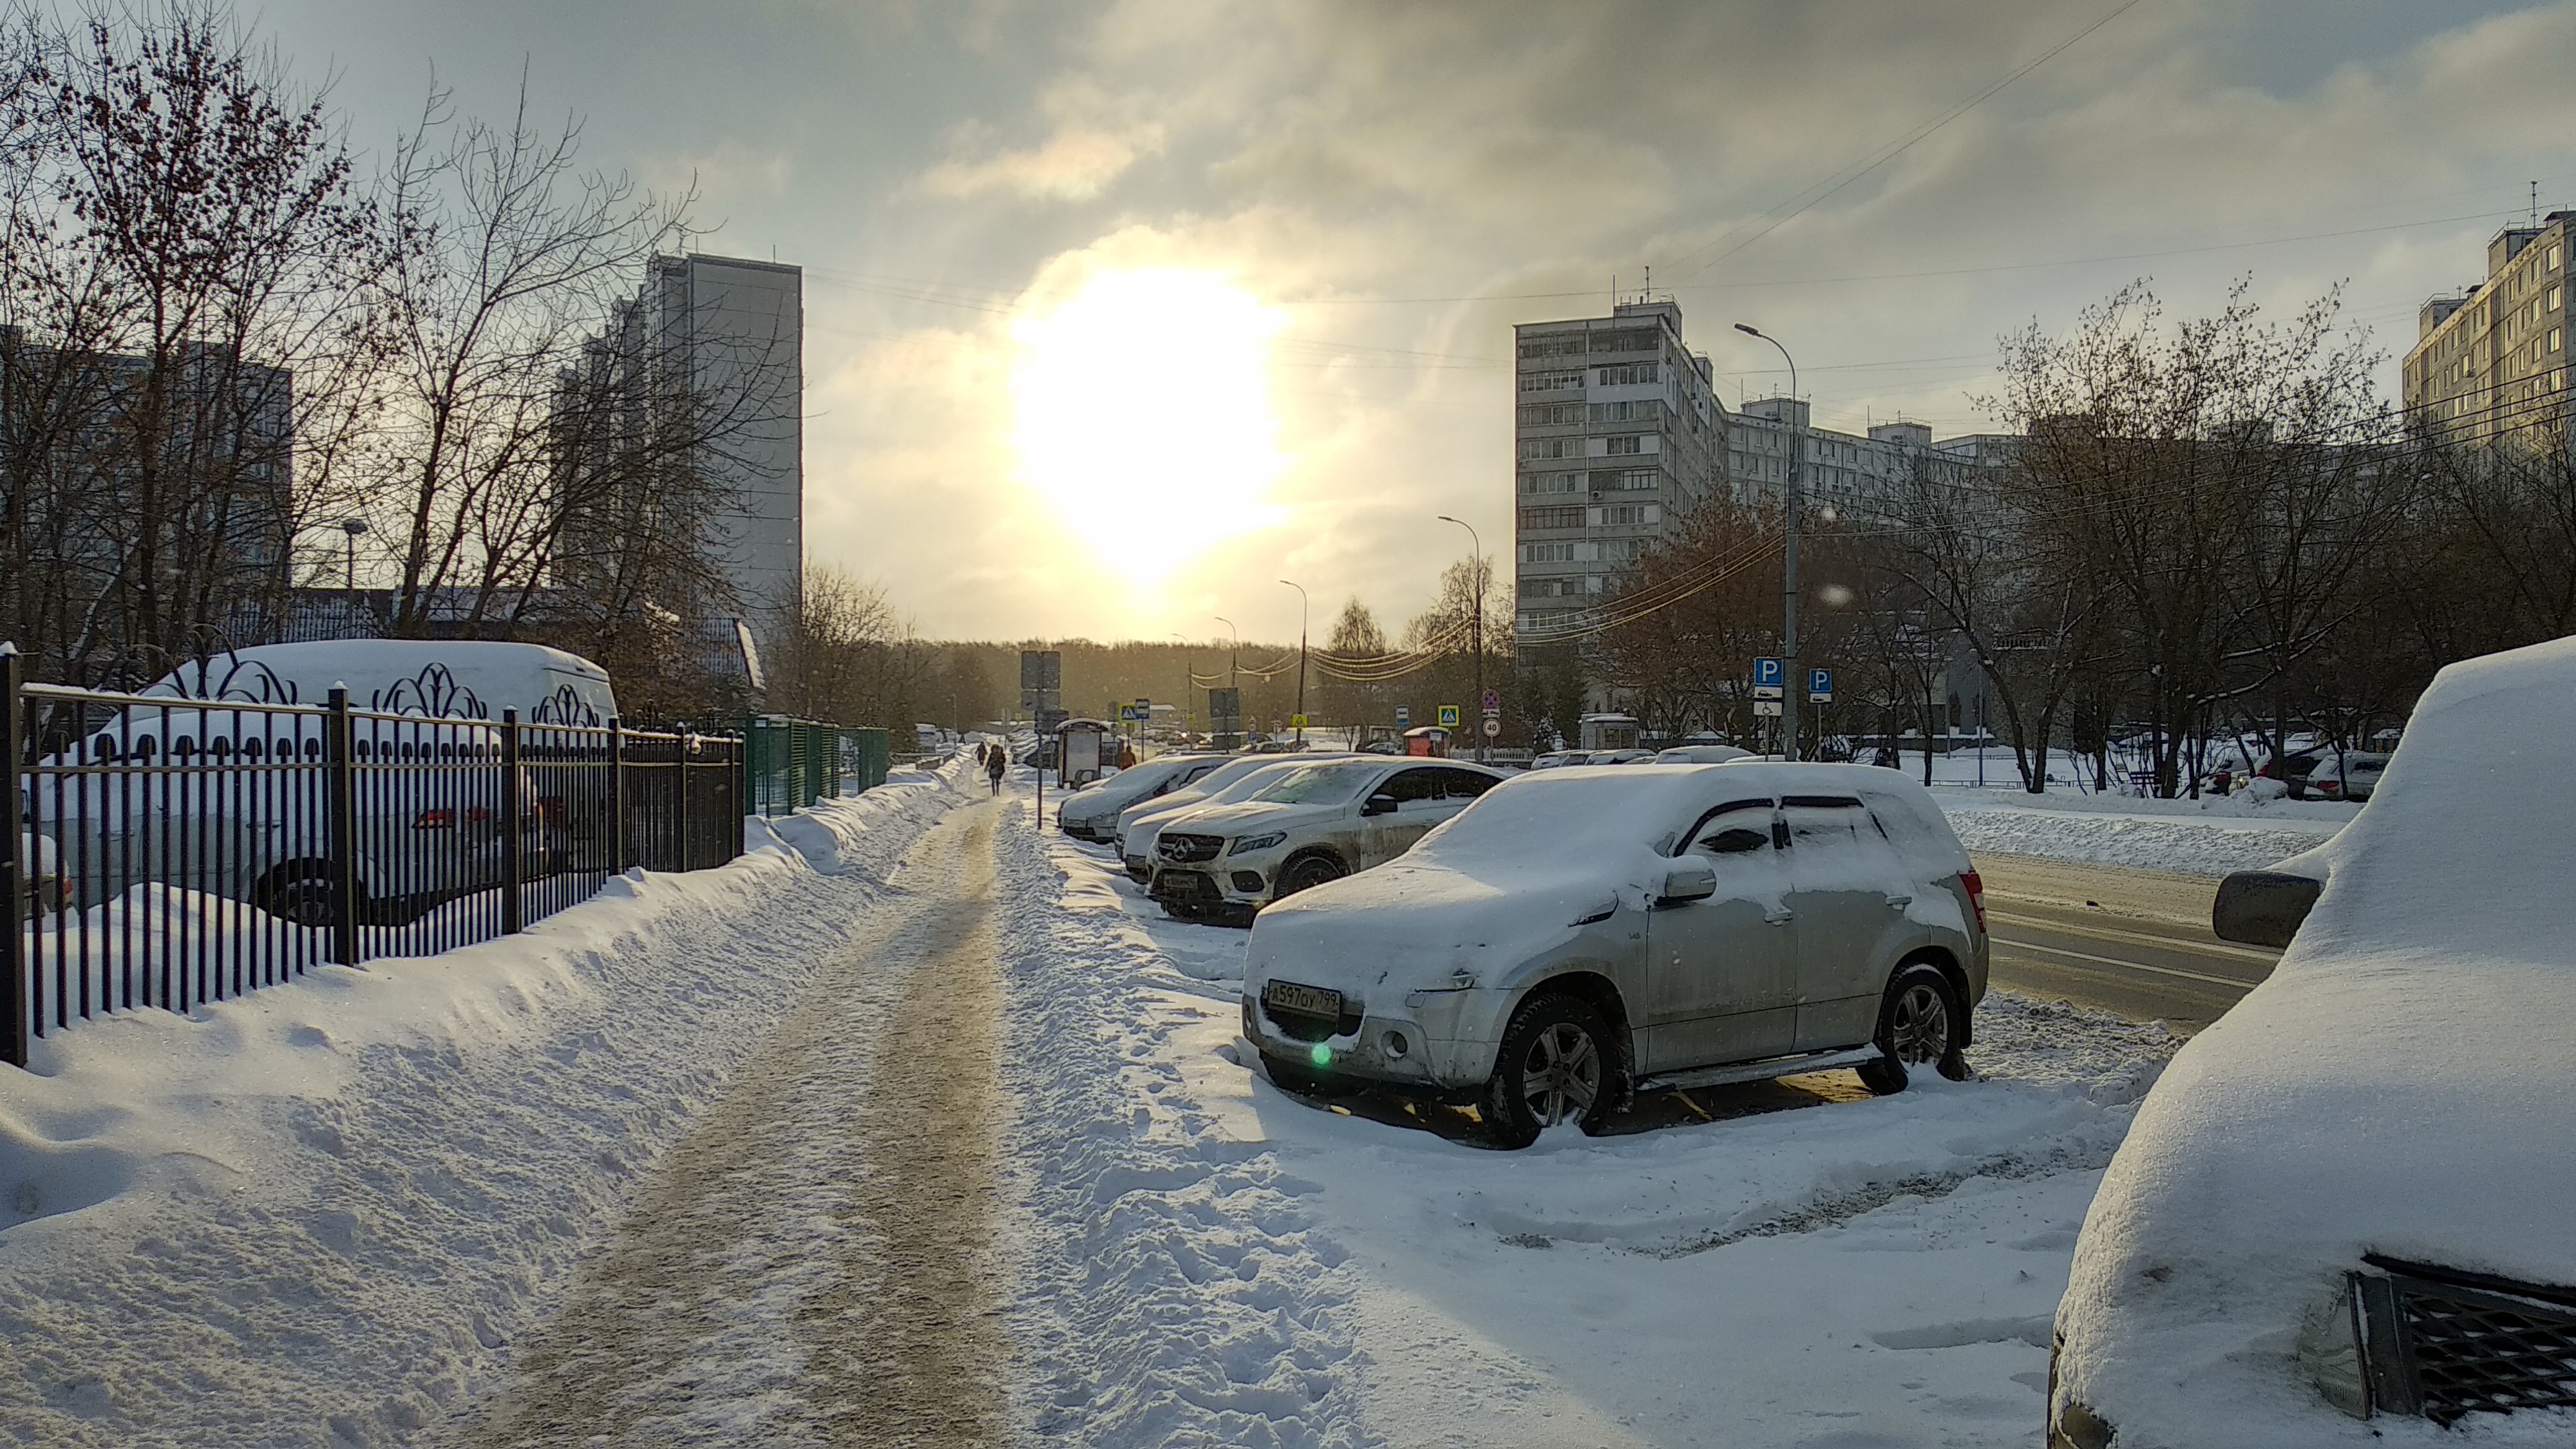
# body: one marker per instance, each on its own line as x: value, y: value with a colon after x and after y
x: 1976, y: 895
x: 437, y: 817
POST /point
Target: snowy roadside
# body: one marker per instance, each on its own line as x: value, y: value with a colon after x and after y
x: 1213, y: 1262
x: 2190, y: 837
x: 321, y: 1213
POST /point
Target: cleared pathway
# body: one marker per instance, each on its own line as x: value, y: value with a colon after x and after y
x: 816, y: 1263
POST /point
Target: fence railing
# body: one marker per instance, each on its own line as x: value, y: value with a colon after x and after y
x: 167, y: 852
x: 791, y: 763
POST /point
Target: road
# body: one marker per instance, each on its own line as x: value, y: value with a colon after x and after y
x: 2135, y: 942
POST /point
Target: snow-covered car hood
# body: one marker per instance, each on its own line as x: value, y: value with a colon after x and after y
x: 2401, y: 1085
x: 1410, y: 924
x: 1244, y: 816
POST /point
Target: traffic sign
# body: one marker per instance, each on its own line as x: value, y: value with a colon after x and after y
x: 1767, y: 674
x: 1403, y: 716
x: 1767, y: 708
x: 1493, y: 701
x: 1144, y: 709
x: 1297, y: 721
x: 1448, y: 716
x: 1493, y: 725
x: 1820, y: 686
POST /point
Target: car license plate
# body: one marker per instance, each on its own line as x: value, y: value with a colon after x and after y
x: 1312, y: 1000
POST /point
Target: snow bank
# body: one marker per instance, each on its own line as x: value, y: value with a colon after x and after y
x: 317, y: 1214
x: 2208, y: 837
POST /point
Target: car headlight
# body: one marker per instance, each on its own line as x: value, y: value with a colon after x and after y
x: 1245, y: 845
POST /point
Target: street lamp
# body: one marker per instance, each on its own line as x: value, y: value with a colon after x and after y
x: 1189, y: 680
x: 1476, y: 626
x: 1789, y: 680
x: 1233, y: 685
x: 1301, y: 657
x: 353, y: 527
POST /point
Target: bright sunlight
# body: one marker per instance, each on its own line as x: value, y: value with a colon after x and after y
x: 1144, y: 416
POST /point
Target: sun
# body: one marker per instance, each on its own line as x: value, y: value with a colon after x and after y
x: 1144, y: 415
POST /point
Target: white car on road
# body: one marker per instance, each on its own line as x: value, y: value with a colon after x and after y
x: 1583, y: 934
x: 1316, y: 822
x: 1091, y: 813
x: 2346, y: 1215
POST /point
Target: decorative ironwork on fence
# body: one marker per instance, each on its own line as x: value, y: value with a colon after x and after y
x: 170, y: 851
x: 794, y: 762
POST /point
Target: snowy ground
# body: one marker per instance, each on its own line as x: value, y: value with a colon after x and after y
x: 1790, y: 1264
x: 321, y: 1214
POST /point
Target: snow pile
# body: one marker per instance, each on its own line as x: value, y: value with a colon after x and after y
x: 1791, y: 1263
x: 2117, y: 831
x: 318, y: 1214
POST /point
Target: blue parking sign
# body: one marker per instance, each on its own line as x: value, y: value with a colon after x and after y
x: 1766, y: 673
x: 1820, y: 681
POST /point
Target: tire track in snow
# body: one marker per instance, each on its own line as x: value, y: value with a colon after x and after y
x: 812, y: 1264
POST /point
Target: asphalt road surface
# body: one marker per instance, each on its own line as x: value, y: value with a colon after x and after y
x: 2135, y: 942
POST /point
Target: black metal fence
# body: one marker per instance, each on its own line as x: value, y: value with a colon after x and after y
x: 172, y: 851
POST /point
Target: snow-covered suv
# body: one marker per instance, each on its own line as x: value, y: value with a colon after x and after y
x: 1091, y: 813
x: 1238, y: 779
x: 2344, y: 1211
x: 1582, y: 934
x: 1315, y: 823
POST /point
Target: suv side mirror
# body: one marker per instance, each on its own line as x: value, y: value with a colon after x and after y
x: 1378, y: 804
x: 2263, y: 907
x: 1686, y: 880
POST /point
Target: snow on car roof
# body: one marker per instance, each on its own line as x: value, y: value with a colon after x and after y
x: 502, y: 674
x: 1612, y: 807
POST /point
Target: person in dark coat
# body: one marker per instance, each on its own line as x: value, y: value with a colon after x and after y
x: 993, y: 766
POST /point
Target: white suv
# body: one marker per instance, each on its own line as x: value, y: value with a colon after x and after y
x: 1314, y: 823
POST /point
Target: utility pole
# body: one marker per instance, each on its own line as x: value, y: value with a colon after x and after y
x: 1791, y: 682
x: 353, y: 527
x: 1236, y: 658
x: 1476, y: 626
x: 1189, y: 680
x: 1301, y: 656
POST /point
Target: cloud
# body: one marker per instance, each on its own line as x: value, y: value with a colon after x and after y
x: 1074, y: 164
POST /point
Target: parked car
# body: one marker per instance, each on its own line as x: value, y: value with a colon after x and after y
x: 1236, y: 779
x: 1317, y: 822
x: 2347, y: 775
x: 1091, y: 813
x: 120, y: 815
x: 1581, y: 935
x: 1558, y: 759
x: 1701, y: 755
x: 2344, y: 1206
x: 1618, y: 757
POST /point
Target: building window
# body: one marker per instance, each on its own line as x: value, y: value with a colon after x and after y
x: 1635, y: 480
x: 1542, y: 448
x: 1568, y: 345
x: 1624, y: 412
x: 1550, y: 381
x: 1551, y: 518
x: 1547, y: 553
x: 2553, y: 256
x: 1629, y: 513
x: 1625, y: 443
x: 2553, y: 339
x: 1546, y: 415
x: 1627, y: 373
x: 1626, y: 339
x: 1549, y: 482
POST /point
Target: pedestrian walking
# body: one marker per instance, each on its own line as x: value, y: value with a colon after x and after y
x: 993, y: 763
x: 983, y: 753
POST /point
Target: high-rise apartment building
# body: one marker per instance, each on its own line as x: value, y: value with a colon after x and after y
x: 1616, y: 431
x: 710, y: 353
x: 2492, y: 362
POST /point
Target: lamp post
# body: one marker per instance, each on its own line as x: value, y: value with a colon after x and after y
x: 1189, y: 680
x: 1476, y: 626
x: 353, y: 527
x: 1232, y: 684
x: 1789, y: 680
x: 1301, y: 656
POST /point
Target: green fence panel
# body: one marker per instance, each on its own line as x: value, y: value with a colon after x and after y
x: 791, y: 763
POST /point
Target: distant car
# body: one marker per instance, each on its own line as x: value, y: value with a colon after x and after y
x: 1618, y: 757
x: 1701, y: 755
x: 1579, y: 935
x: 1559, y: 759
x: 1091, y: 813
x: 2349, y: 775
x: 1233, y: 780
x: 2348, y: 1199
x: 1317, y: 822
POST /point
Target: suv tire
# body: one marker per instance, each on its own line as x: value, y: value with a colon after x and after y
x: 1920, y: 1023
x: 1557, y: 1064
x: 1305, y: 873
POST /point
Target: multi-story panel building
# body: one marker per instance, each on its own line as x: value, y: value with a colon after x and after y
x: 2492, y: 362
x: 710, y: 353
x: 1616, y: 431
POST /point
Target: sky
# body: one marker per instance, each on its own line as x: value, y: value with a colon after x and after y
x: 1120, y: 313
